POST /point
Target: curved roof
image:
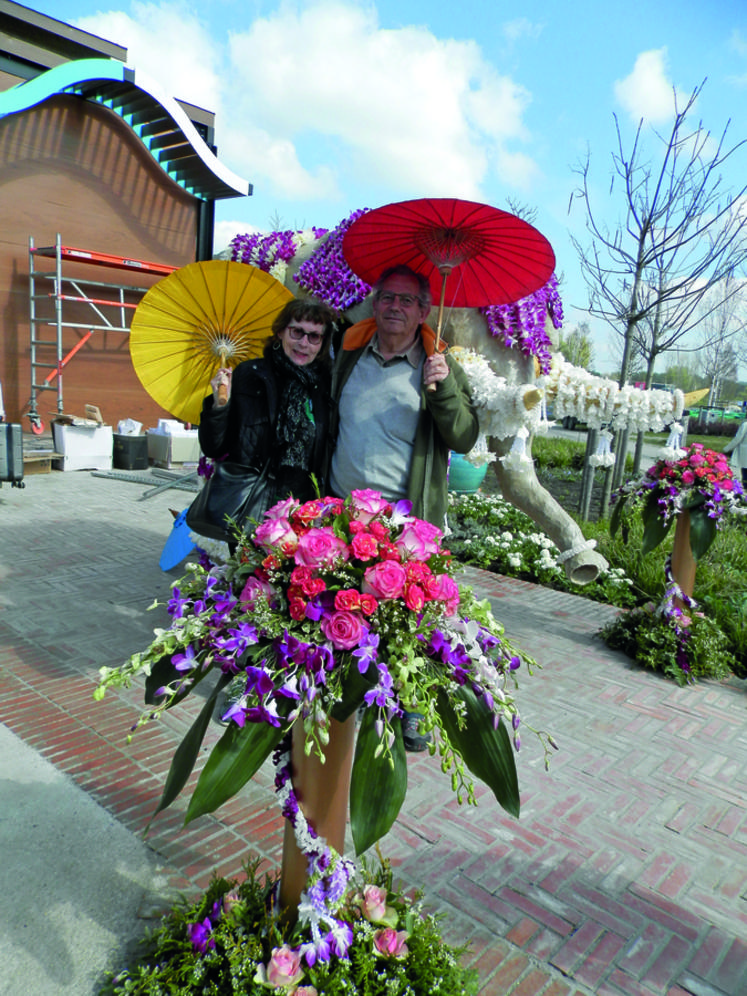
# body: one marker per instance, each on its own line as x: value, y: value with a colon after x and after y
x: 157, y: 120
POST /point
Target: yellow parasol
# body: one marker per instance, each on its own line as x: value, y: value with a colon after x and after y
x: 200, y: 318
x: 692, y: 397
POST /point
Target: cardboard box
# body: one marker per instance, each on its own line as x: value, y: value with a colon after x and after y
x: 82, y: 447
x: 166, y: 451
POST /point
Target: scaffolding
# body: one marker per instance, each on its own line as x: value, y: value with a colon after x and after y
x: 110, y: 303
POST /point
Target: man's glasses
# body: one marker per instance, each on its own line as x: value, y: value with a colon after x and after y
x: 297, y: 334
x: 406, y: 300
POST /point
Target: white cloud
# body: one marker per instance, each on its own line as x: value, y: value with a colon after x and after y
x: 168, y: 42
x: 647, y: 92
x: 521, y: 27
x: 312, y: 101
x: 405, y: 108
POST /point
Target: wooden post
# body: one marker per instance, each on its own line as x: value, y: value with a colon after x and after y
x: 683, y: 562
x: 322, y: 791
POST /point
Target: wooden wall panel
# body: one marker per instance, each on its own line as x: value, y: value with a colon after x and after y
x: 73, y: 167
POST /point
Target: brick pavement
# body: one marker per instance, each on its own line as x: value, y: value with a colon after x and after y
x: 626, y: 874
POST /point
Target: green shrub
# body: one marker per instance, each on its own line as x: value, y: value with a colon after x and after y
x: 221, y: 944
x: 653, y: 641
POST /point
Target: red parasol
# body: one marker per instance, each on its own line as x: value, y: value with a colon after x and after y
x: 487, y: 255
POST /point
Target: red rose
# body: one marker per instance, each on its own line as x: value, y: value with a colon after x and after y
x: 348, y: 599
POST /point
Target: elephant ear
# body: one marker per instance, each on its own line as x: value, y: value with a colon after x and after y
x: 487, y: 751
x: 377, y: 786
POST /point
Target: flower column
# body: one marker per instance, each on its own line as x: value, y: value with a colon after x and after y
x: 683, y: 562
x: 322, y: 790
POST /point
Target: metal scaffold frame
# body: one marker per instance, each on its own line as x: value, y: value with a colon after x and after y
x: 106, y: 300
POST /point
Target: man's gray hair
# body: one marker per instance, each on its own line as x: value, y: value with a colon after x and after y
x: 402, y: 270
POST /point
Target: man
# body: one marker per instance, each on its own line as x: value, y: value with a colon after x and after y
x: 394, y: 429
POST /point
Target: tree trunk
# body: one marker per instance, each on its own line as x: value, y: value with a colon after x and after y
x: 587, y: 480
x: 322, y: 792
x: 638, y: 456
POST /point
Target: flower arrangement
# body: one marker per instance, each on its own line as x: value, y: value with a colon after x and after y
x: 329, y: 606
x: 233, y: 941
x: 699, y: 481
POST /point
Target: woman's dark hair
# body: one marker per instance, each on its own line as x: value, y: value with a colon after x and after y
x: 300, y: 310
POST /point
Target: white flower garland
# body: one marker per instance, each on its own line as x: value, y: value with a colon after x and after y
x: 600, y: 402
x: 604, y: 457
x: 501, y: 408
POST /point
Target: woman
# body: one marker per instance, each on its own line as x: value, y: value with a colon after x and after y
x: 738, y: 449
x: 277, y: 408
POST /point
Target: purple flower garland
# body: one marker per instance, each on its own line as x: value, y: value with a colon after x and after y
x: 329, y: 874
x: 676, y: 617
x: 522, y: 325
x: 326, y: 275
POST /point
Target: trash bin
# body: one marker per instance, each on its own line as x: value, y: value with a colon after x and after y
x: 130, y: 452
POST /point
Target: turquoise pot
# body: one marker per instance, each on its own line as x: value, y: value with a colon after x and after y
x: 464, y: 478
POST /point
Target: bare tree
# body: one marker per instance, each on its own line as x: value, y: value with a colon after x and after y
x: 722, y: 336
x: 682, y: 233
x: 577, y: 346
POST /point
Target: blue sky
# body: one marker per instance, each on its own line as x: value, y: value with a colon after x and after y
x: 327, y: 106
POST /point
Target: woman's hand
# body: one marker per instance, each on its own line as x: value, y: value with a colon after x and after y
x: 221, y: 385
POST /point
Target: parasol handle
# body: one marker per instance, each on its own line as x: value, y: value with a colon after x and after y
x: 439, y: 324
x: 222, y: 388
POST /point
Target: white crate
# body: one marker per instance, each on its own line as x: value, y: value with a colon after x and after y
x: 83, y: 447
x: 165, y: 451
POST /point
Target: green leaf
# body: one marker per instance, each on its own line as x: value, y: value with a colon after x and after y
x: 702, y: 532
x: 655, y: 528
x: 162, y: 673
x: 377, y: 790
x: 235, y: 759
x: 616, y: 517
x: 355, y: 687
x: 186, y: 753
x: 487, y: 752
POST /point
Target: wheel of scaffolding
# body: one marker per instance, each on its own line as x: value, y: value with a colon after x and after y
x: 37, y: 426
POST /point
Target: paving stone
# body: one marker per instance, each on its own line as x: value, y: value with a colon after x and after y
x: 627, y: 869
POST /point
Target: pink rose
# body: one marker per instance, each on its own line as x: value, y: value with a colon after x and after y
x: 305, y: 991
x: 320, y: 548
x: 385, y: 579
x: 283, y: 509
x: 276, y: 534
x: 251, y: 591
x: 688, y: 477
x: 343, y: 629
x: 419, y: 540
x: 445, y: 589
x: 365, y: 504
x: 284, y: 967
x: 391, y: 943
x: 373, y: 905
